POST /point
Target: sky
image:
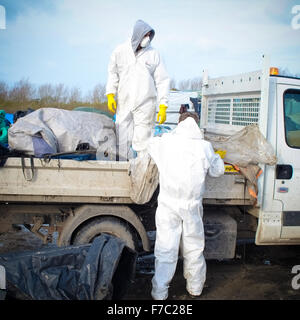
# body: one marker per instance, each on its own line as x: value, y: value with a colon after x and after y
x: 70, y: 41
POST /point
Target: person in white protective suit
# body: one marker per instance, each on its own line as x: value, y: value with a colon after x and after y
x: 183, y: 159
x: 136, y: 74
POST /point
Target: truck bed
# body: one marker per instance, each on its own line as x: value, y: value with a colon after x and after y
x: 65, y: 181
x: 71, y: 181
x: 229, y: 189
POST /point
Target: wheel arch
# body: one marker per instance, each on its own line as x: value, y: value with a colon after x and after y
x: 87, y: 212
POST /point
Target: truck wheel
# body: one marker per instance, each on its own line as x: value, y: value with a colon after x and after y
x: 107, y: 225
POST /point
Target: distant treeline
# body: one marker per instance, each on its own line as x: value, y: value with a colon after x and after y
x: 23, y: 94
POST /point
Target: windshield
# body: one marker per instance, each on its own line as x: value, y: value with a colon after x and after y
x: 292, y: 117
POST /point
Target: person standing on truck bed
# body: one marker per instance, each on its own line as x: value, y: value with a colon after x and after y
x: 183, y: 159
x: 137, y: 75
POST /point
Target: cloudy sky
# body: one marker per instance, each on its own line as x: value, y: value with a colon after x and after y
x: 70, y: 41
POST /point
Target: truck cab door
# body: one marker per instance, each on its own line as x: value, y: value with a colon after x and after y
x: 287, y: 173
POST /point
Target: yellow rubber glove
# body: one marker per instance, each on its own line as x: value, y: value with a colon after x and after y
x: 162, y: 115
x: 111, y: 103
x: 221, y: 153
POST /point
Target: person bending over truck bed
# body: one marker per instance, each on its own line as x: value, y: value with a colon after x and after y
x: 183, y: 159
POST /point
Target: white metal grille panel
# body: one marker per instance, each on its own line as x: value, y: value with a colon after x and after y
x: 233, y: 111
x: 219, y: 111
x: 245, y: 111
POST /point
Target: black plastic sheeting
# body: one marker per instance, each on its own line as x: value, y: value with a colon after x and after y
x: 102, y: 270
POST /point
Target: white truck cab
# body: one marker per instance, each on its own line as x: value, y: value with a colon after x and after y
x: 273, y: 102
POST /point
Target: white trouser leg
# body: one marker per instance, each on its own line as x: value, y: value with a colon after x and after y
x: 194, y: 265
x: 144, y: 120
x: 168, y: 233
x: 124, y: 132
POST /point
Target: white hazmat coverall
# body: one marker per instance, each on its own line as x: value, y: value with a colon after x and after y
x: 140, y: 81
x: 183, y: 159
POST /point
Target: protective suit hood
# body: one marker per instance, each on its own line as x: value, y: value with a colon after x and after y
x: 189, y: 129
x: 140, y: 29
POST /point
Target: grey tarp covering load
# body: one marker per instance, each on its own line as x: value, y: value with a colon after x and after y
x: 98, y: 271
x: 144, y: 178
x: 51, y: 130
x: 247, y: 146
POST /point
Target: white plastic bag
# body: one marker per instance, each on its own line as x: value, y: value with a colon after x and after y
x: 247, y: 146
x: 144, y: 178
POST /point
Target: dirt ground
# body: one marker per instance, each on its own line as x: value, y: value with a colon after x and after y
x: 256, y: 272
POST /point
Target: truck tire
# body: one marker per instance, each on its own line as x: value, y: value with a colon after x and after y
x: 107, y: 225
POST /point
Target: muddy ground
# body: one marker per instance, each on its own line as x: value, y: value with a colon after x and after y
x: 256, y: 272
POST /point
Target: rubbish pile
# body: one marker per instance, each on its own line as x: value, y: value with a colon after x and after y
x: 51, y: 131
x: 247, y: 146
x: 245, y: 151
x: 81, y: 134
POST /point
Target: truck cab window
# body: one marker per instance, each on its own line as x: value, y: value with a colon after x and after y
x: 292, y: 117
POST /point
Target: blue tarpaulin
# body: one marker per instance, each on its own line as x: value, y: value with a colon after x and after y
x: 9, y: 117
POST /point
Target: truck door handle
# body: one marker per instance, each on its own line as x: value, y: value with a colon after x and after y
x: 284, y: 171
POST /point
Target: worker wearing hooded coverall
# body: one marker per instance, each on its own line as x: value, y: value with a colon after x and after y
x: 136, y: 74
x: 183, y: 159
